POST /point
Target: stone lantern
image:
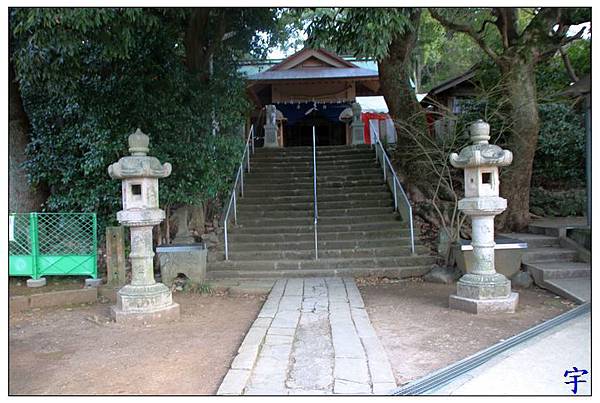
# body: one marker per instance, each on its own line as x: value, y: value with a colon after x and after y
x: 357, y: 127
x: 482, y: 289
x: 144, y: 299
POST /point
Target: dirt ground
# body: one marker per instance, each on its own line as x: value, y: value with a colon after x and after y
x: 78, y: 350
x: 421, y: 335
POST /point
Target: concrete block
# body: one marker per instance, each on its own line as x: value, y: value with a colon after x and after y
x: 68, y: 297
x: 32, y: 283
x: 168, y: 314
x: 93, y: 282
x: 499, y: 305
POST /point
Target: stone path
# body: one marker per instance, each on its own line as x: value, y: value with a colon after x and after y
x: 312, y: 336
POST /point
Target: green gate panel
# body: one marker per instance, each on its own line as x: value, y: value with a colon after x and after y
x: 72, y: 265
x: 20, y: 265
x: 42, y: 244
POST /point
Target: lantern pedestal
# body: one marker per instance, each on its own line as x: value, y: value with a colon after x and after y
x: 145, y: 303
x: 482, y: 289
x: 144, y: 300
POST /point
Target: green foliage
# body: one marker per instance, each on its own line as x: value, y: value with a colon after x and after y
x: 441, y: 55
x: 90, y: 77
x: 560, y: 156
x: 360, y: 31
x: 552, y: 76
x: 548, y: 203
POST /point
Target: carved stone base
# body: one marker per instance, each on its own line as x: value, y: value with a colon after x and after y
x: 483, y: 287
x: 166, y: 314
x: 494, y: 305
x: 271, y: 137
x: 358, y: 133
x: 147, y: 303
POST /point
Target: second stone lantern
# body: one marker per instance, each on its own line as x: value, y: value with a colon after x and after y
x: 482, y: 289
x: 144, y: 300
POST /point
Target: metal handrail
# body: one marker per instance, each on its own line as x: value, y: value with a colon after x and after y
x: 316, y: 210
x: 385, y: 162
x: 239, y: 179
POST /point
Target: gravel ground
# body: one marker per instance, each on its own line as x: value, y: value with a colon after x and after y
x: 421, y: 334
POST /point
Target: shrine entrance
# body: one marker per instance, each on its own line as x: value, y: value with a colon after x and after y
x: 327, y: 132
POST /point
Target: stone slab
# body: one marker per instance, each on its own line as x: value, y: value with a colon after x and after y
x: 67, y: 297
x: 234, y: 382
x: 168, y: 314
x: 477, y: 306
x: 351, y: 369
x: 34, y: 283
x: 350, y: 388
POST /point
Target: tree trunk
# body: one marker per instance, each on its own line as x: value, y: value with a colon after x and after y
x: 521, y: 93
x: 21, y: 196
x: 394, y: 74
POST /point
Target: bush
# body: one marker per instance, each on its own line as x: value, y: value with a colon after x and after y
x: 85, y: 88
x: 566, y: 203
x: 560, y: 157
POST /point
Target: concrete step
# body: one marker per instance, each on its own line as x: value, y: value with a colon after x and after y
x: 308, y: 184
x: 345, y: 172
x: 307, y: 164
x: 308, y: 157
x: 323, y: 264
x: 543, y: 271
x: 322, y: 205
x: 322, y: 228
x: 321, y: 150
x: 391, y: 272
x: 307, y: 254
x: 575, y: 289
x: 323, y: 221
x: 308, y: 179
x: 307, y: 197
x: 534, y: 240
x: 399, y: 235
x: 549, y: 254
x: 324, y: 213
x: 361, y: 243
x: 253, y: 193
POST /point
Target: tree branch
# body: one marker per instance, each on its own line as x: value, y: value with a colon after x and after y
x: 568, y: 65
x: 466, y: 29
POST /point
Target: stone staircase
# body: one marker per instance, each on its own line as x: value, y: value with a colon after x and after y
x: 358, y: 231
x: 554, y: 265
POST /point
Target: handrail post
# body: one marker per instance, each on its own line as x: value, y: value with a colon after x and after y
x: 241, y: 180
x: 316, y: 210
x: 234, y: 207
x: 226, y: 240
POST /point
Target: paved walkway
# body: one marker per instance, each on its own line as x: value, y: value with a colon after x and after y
x: 535, y: 367
x: 312, y: 336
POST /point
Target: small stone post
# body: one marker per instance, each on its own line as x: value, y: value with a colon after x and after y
x: 115, y: 256
x: 144, y: 300
x: 271, y: 127
x: 357, y: 126
x: 482, y: 290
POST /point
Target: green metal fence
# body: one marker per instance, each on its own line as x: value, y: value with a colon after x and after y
x: 52, y: 244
